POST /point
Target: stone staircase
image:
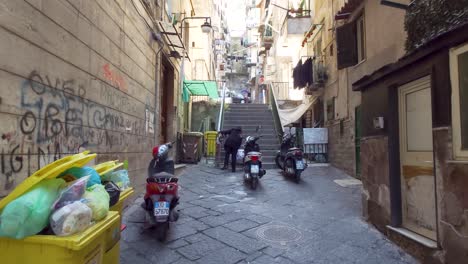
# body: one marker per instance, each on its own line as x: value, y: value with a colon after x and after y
x: 249, y: 116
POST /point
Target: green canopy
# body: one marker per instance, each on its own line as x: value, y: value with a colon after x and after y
x: 200, y: 88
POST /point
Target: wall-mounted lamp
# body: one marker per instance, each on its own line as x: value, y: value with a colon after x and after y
x: 206, y: 26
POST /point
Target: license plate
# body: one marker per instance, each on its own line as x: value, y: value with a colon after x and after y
x: 161, y: 208
x: 254, y: 169
x: 300, y: 165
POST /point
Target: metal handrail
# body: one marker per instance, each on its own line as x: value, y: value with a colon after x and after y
x: 276, y: 118
x: 221, y: 110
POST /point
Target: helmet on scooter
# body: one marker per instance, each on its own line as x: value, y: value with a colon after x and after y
x: 155, y: 151
x: 163, y: 152
x: 249, y: 138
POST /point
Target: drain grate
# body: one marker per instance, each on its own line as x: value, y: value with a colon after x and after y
x: 279, y: 234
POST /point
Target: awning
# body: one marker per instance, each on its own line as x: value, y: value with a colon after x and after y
x: 292, y: 115
x: 200, y: 88
x: 348, y: 9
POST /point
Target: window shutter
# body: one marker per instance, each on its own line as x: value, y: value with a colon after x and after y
x: 331, y: 109
x: 346, y: 42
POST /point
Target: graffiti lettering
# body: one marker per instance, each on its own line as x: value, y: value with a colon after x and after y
x: 58, y: 120
x: 114, y: 78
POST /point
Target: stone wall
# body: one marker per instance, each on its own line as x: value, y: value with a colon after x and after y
x: 375, y: 181
x: 452, y: 202
x: 75, y: 75
x: 341, y: 147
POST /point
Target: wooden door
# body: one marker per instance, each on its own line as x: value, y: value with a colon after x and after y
x: 416, y: 158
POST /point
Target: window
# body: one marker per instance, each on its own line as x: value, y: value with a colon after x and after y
x: 361, y: 39
x: 331, y: 109
x: 318, y: 48
x: 459, y: 79
x: 351, y: 43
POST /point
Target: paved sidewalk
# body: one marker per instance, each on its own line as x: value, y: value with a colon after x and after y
x: 223, y: 221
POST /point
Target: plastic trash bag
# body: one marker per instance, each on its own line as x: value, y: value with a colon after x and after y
x: 72, y: 193
x: 114, y: 192
x: 29, y: 214
x: 75, y: 173
x: 71, y: 219
x: 97, y: 198
x: 119, y: 177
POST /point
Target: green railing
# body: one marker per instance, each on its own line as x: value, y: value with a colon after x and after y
x: 276, y: 118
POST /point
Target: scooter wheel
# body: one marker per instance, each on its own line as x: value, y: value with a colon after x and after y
x: 254, y: 183
x: 278, y: 162
x: 297, y: 177
x: 161, y: 232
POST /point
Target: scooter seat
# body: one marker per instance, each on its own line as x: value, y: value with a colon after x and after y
x: 163, y: 175
x: 254, y: 153
x: 292, y: 149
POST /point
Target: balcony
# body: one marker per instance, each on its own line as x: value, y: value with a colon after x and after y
x: 299, y: 19
x: 298, y: 25
x: 320, y: 77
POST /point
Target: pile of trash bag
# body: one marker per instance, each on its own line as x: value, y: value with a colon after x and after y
x: 66, y: 205
x: 119, y: 177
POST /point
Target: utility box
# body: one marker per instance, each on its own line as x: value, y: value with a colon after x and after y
x: 191, y: 147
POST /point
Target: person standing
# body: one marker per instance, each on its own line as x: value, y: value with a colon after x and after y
x: 231, y: 146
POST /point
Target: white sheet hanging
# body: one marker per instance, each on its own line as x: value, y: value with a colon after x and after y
x: 289, y: 116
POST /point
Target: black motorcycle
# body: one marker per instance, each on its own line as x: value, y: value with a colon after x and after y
x: 253, y: 170
x: 290, y: 158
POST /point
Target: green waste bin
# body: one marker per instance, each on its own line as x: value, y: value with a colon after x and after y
x: 191, y: 147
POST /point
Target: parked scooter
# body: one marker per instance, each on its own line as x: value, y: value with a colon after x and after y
x: 290, y: 159
x: 253, y: 170
x: 161, y: 195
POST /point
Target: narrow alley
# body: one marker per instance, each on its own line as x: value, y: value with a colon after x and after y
x: 234, y: 131
x: 224, y: 221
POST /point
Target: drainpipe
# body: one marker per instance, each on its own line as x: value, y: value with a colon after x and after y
x: 156, y: 92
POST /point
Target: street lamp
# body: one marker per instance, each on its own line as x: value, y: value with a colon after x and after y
x: 205, y: 27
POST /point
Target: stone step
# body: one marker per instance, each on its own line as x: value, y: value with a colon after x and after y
x: 271, y: 157
x: 250, y: 126
x: 247, y: 105
x: 265, y: 124
x: 247, y: 113
x: 251, y: 117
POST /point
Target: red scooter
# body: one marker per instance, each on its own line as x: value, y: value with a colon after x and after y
x: 161, y: 195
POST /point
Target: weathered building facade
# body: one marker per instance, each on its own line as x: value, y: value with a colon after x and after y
x: 352, y: 38
x: 87, y: 75
x: 414, y: 128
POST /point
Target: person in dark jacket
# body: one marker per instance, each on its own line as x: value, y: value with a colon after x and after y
x: 231, y: 146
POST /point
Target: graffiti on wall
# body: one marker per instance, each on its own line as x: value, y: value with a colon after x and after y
x: 57, y: 120
x: 114, y: 78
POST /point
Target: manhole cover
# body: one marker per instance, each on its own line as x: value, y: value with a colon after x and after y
x: 279, y: 234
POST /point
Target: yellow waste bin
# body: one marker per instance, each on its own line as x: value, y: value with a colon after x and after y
x: 210, y: 141
x: 124, y: 195
x: 98, y: 244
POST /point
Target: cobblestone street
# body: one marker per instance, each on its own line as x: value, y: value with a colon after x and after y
x: 223, y: 221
